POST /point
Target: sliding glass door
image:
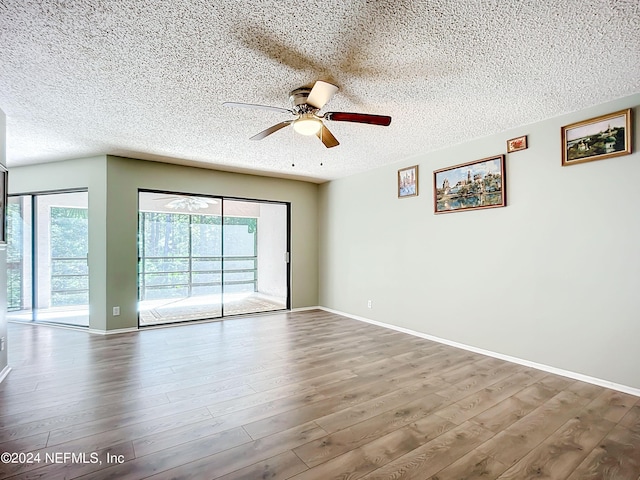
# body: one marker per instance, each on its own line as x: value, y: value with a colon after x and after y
x: 208, y: 257
x: 20, y: 258
x: 47, y: 248
x: 255, y: 256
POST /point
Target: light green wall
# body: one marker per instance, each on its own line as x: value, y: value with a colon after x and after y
x: 113, y: 184
x: 553, y: 278
x: 126, y: 176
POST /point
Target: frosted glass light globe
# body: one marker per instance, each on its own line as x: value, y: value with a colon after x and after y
x: 307, y: 124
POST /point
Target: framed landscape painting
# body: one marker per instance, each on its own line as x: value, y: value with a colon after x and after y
x: 408, y: 182
x: 470, y: 186
x: 598, y: 138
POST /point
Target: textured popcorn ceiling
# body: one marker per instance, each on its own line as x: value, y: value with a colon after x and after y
x: 146, y: 78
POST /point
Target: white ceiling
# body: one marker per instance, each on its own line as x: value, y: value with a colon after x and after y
x: 147, y: 78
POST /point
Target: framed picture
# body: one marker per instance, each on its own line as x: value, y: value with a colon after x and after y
x: 3, y: 204
x: 470, y: 186
x: 518, y: 143
x: 598, y: 138
x: 408, y: 182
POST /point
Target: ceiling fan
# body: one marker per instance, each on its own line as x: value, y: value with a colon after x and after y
x: 184, y: 202
x: 306, y: 102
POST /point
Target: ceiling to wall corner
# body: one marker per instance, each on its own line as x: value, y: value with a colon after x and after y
x: 147, y: 78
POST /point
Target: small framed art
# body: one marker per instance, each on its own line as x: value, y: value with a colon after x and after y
x: 517, y: 144
x: 408, y: 182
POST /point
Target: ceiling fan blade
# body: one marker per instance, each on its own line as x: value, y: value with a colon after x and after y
x: 327, y: 137
x: 270, y: 130
x: 255, y: 106
x: 382, y: 120
x: 321, y: 93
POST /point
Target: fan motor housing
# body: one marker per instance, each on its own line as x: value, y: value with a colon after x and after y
x: 298, y: 99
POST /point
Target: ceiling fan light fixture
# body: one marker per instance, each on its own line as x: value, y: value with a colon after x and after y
x: 307, y: 124
x: 306, y: 103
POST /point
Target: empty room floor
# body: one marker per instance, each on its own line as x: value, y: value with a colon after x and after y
x: 298, y: 395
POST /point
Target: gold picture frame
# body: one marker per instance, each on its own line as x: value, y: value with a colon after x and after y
x: 408, y: 182
x: 470, y: 186
x: 597, y: 138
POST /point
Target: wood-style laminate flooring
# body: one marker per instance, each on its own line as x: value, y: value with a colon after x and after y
x: 304, y: 395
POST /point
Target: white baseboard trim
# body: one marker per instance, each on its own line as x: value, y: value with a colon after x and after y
x: 538, y: 366
x: 4, y: 373
x: 113, y: 332
x: 306, y: 309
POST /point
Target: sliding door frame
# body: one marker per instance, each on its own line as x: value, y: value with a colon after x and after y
x: 34, y: 250
x: 222, y: 199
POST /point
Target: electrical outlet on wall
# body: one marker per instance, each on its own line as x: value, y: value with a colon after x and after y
x: 116, y: 311
x: 2, y: 342
x: 368, y: 303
